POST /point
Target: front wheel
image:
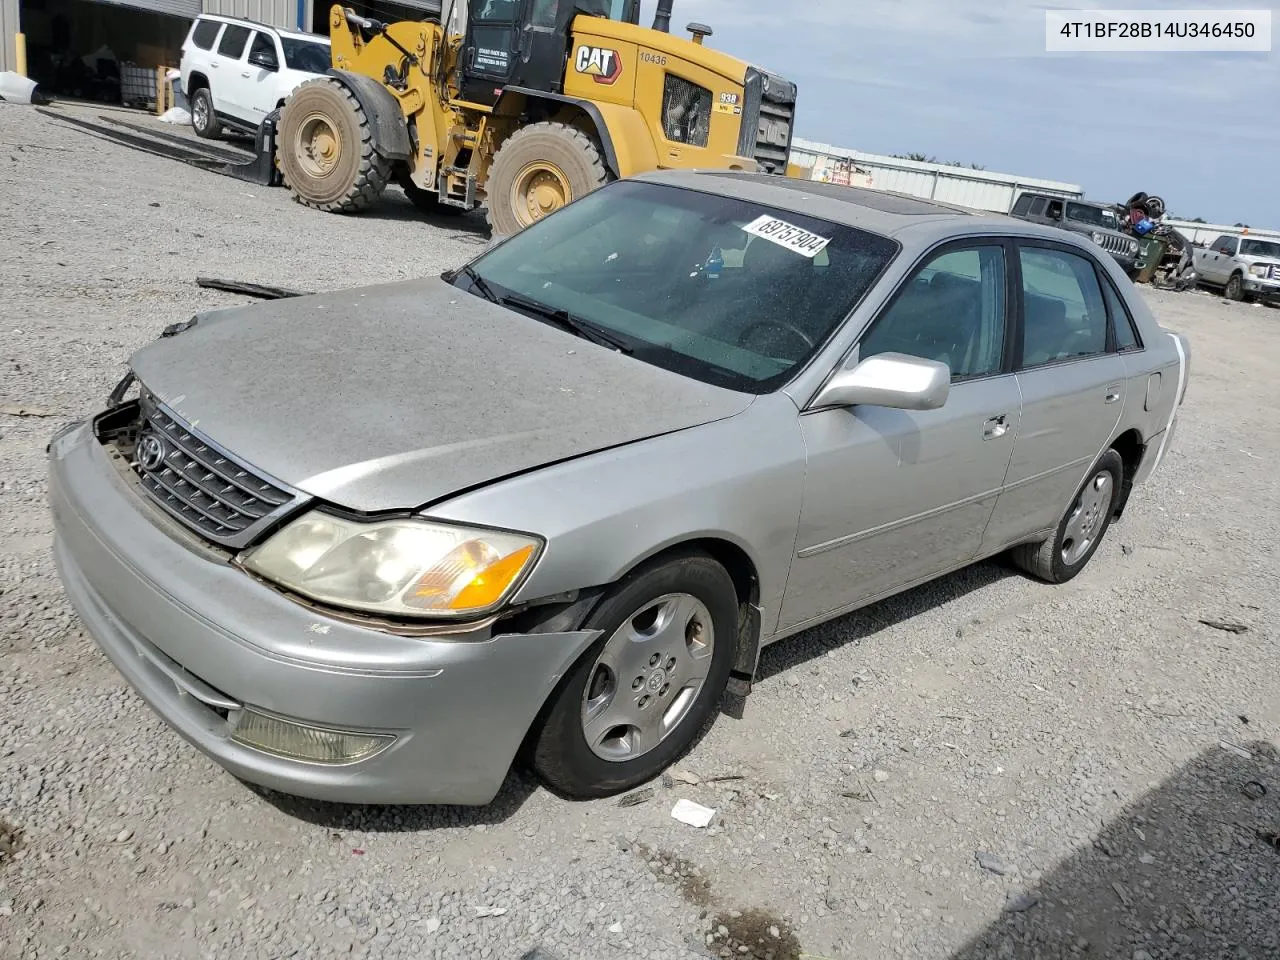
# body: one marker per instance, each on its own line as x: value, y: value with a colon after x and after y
x: 649, y: 688
x: 1235, y: 287
x: 1082, y: 527
x: 537, y: 170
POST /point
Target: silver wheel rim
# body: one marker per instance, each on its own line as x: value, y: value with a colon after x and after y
x: 648, y: 677
x: 1085, y: 521
x: 201, y: 112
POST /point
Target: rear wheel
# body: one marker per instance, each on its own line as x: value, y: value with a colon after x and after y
x: 1082, y: 527
x: 538, y: 170
x: 1235, y: 287
x: 647, y: 690
x: 326, y: 150
x: 203, y: 120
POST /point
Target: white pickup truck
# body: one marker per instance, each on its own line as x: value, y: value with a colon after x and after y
x: 1244, y: 268
x: 235, y: 72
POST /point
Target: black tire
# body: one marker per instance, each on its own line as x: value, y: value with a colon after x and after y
x: 203, y: 120
x: 567, y: 154
x: 1235, y: 288
x: 325, y: 111
x: 428, y: 201
x: 1046, y: 560
x: 557, y: 748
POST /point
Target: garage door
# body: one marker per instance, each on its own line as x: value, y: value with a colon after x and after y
x: 178, y: 8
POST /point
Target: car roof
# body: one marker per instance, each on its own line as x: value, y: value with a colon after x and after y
x: 878, y: 211
x: 259, y: 25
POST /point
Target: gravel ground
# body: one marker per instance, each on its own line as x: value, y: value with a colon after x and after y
x: 984, y: 767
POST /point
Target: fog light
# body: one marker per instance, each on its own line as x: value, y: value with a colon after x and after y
x: 299, y: 741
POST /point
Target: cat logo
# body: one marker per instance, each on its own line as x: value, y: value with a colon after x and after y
x: 599, y: 63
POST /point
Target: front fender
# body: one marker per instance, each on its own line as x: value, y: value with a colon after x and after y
x: 386, y: 119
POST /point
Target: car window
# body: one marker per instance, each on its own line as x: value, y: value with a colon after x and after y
x: 233, y: 40
x: 1023, y: 206
x: 1064, y: 314
x: 714, y: 287
x: 1126, y: 332
x: 263, y: 45
x: 306, y: 55
x: 1055, y: 210
x: 205, y: 32
x: 1261, y: 248
x: 952, y: 310
x: 1037, y: 206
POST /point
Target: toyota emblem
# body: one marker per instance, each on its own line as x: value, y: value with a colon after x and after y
x: 151, y: 452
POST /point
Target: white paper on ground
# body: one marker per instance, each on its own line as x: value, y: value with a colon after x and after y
x: 175, y: 115
x: 694, y: 814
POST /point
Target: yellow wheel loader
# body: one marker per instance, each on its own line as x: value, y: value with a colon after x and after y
x: 522, y: 106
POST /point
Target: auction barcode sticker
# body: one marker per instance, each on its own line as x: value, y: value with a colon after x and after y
x: 1156, y: 31
x: 796, y: 239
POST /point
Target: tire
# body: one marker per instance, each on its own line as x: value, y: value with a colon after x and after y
x: 1234, y: 289
x: 539, y: 169
x: 688, y: 589
x: 326, y: 151
x: 427, y: 201
x: 203, y: 120
x: 1062, y: 557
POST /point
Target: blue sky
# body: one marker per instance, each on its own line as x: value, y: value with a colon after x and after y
x: 970, y: 80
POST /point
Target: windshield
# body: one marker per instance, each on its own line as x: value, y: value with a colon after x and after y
x: 1094, y: 216
x: 1260, y: 248
x: 720, y: 289
x: 306, y: 55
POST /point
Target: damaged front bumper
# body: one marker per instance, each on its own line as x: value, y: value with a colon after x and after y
x: 231, y: 663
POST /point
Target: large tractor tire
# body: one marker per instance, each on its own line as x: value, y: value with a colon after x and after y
x: 326, y: 151
x: 539, y: 169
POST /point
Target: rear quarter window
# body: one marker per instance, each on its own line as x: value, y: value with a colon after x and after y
x: 205, y: 32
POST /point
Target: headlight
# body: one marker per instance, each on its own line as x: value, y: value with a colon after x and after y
x: 1133, y: 246
x: 1097, y: 237
x: 408, y: 568
x: 1259, y: 270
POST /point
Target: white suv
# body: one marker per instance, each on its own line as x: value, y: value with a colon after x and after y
x: 235, y: 72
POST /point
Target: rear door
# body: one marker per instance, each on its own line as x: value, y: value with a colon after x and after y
x: 229, y: 79
x: 1072, y: 382
x: 199, y: 51
x: 894, y: 497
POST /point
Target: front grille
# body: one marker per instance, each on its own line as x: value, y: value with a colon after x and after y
x: 200, y: 485
x: 1275, y: 272
x: 1114, y: 244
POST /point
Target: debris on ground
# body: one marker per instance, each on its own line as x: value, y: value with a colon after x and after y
x: 1270, y: 838
x: 1254, y: 790
x: 1226, y: 626
x: 262, y: 291
x: 10, y: 841
x: 637, y: 798
x: 1020, y: 902
x: 25, y: 410
x: 1239, y: 751
x: 694, y: 814
x: 490, y: 911
x: 684, y: 776
x: 991, y: 863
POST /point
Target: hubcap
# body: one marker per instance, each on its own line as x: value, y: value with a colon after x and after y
x: 540, y: 188
x: 318, y: 147
x: 201, y: 111
x: 1086, y: 517
x: 648, y: 677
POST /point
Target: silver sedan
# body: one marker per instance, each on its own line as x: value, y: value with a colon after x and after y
x: 376, y: 545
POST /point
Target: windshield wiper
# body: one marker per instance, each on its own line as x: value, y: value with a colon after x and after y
x: 568, y: 321
x: 477, y: 282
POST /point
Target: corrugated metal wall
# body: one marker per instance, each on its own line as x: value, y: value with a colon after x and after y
x: 8, y: 27
x: 1206, y: 233
x: 978, y: 189
x: 278, y: 13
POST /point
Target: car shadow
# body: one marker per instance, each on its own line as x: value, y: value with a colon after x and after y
x: 855, y: 627
x: 403, y: 818
x: 1191, y: 869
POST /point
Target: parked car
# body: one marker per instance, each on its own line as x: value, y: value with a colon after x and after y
x: 1097, y: 221
x: 235, y: 72
x: 1244, y: 268
x: 372, y: 545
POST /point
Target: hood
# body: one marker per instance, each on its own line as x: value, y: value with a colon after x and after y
x: 395, y: 396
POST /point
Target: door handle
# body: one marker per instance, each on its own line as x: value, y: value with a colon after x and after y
x: 995, y: 428
x: 245, y: 74
x: 1113, y: 393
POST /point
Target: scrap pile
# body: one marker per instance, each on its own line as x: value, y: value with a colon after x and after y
x: 1164, y: 257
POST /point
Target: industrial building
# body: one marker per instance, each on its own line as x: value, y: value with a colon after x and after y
x: 90, y: 49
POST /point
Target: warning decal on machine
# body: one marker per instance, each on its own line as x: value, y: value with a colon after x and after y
x: 796, y: 239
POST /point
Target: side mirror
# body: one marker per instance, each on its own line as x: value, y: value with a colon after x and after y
x: 889, y: 380
x: 265, y: 61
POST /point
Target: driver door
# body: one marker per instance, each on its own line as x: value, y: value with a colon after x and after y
x: 896, y: 497
x: 492, y: 48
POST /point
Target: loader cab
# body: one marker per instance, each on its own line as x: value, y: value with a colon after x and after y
x: 524, y: 43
